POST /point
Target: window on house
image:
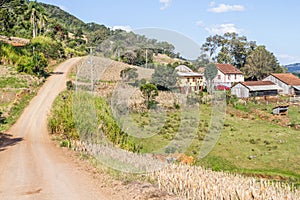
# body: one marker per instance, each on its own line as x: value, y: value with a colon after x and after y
x: 219, y: 77
x: 194, y: 80
x: 188, y: 80
x: 228, y: 77
x: 235, y: 76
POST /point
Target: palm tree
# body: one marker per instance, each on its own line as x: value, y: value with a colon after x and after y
x: 37, y: 17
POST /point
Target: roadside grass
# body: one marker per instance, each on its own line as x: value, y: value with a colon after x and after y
x: 12, y: 82
x: 16, y: 111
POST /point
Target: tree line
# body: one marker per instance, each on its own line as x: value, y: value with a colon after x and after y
x: 60, y: 34
x: 255, y: 61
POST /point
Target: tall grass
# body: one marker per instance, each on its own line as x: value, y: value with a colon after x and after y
x: 81, y: 115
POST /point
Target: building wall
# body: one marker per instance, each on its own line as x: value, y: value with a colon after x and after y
x: 240, y: 91
x: 228, y: 79
x: 191, y: 84
x: 286, y: 88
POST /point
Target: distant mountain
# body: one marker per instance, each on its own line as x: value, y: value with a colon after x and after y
x: 293, y: 68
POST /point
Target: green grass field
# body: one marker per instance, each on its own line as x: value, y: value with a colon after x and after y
x: 246, y: 145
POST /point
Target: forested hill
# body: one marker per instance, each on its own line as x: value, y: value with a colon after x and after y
x: 294, y: 68
x: 28, y: 19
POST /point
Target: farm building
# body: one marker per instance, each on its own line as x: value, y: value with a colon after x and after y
x: 227, y: 75
x: 189, y: 81
x: 288, y: 82
x: 255, y: 88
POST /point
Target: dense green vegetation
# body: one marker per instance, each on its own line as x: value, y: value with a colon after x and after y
x: 55, y: 34
x: 68, y: 119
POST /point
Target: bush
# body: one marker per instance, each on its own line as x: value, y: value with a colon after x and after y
x: 49, y: 47
x: 70, y: 85
x: 25, y: 64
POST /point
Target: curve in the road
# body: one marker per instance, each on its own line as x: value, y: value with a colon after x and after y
x: 34, y: 168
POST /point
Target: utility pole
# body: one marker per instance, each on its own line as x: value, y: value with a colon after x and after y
x: 146, y: 58
x: 92, y: 67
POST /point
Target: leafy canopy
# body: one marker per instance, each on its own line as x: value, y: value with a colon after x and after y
x: 229, y: 48
x: 260, y: 63
x: 165, y: 76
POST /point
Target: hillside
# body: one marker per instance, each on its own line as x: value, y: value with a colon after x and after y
x: 293, y: 68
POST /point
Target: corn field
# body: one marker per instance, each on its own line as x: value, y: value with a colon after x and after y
x: 191, y: 182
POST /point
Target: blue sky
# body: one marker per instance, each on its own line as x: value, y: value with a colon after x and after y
x: 270, y: 23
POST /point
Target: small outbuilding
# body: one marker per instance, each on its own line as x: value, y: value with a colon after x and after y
x: 255, y: 88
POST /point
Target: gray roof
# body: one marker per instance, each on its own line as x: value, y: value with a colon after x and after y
x: 183, y: 68
x: 297, y: 87
x: 189, y: 74
x: 264, y: 87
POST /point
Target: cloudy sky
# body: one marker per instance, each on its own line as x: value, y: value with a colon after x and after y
x: 273, y: 23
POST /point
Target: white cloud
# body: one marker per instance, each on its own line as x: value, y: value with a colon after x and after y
x: 200, y: 23
x: 222, y: 29
x: 212, y: 4
x: 225, y: 8
x: 125, y: 28
x: 165, y: 4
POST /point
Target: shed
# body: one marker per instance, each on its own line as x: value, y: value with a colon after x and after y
x: 280, y: 110
x: 287, y: 81
x: 255, y: 88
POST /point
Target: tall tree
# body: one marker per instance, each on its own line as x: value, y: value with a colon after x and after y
x: 165, y: 77
x: 201, y: 61
x: 210, y: 73
x: 229, y: 48
x: 261, y: 63
x: 37, y: 17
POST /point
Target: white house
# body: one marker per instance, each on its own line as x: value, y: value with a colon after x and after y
x: 288, y: 82
x: 255, y: 88
x: 227, y: 75
x: 189, y: 81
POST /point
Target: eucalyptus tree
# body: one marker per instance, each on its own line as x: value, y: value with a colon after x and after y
x: 261, y: 63
x: 229, y: 48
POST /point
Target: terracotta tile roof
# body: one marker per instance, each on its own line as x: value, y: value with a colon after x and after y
x: 14, y: 41
x: 288, y: 78
x: 228, y: 69
x: 257, y: 83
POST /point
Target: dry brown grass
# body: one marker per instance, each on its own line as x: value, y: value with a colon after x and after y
x: 192, y: 182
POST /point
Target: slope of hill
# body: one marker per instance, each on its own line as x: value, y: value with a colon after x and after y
x: 293, y: 68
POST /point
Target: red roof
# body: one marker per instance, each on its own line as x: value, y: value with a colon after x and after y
x: 257, y: 83
x: 288, y: 78
x: 228, y: 69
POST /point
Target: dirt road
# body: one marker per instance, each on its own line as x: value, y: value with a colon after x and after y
x: 32, y: 167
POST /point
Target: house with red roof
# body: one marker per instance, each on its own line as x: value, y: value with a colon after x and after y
x: 227, y: 75
x: 255, y: 89
x: 287, y: 81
